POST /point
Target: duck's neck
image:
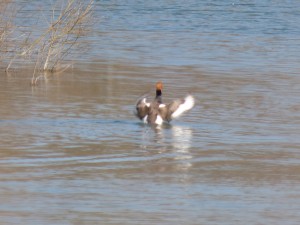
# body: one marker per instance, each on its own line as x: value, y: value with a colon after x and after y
x: 158, y: 95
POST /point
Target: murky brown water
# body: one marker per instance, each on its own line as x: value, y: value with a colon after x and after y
x: 73, y: 153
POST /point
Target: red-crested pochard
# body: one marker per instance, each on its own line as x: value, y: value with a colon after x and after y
x: 156, y: 112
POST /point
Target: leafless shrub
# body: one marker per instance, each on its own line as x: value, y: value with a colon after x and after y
x: 69, y: 22
x: 7, y: 13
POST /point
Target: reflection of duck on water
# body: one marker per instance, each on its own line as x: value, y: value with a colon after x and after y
x: 156, y: 112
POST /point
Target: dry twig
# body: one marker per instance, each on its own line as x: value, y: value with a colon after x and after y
x: 69, y: 22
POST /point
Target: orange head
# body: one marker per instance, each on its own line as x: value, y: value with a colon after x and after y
x: 159, y: 86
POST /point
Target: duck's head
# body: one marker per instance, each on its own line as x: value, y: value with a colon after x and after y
x: 159, y: 86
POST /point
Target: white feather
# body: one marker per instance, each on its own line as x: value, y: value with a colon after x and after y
x: 145, y: 119
x: 147, y: 103
x: 189, y: 102
x: 159, y: 120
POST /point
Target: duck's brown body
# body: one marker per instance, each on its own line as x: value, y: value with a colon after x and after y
x: 156, y: 112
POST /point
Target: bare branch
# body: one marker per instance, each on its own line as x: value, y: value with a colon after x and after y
x: 66, y: 26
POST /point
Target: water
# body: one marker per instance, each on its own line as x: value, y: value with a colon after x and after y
x: 72, y: 151
x: 215, y: 35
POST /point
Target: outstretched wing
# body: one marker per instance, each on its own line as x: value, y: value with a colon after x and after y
x: 142, y: 108
x: 176, y: 108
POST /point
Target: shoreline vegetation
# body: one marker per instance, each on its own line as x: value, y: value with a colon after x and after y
x: 48, y: 49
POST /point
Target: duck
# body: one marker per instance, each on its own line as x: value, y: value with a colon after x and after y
x: 157, y: 113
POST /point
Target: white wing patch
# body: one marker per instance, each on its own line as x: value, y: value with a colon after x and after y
x: 189, y: 102
x: 146, y: 103
x: 145, y: 119
x: 159, y: 120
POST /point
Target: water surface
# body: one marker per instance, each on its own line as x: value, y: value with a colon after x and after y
x: 72, y: 152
